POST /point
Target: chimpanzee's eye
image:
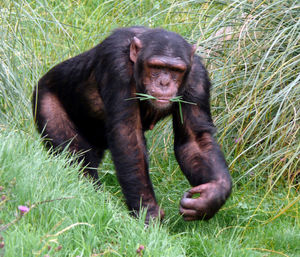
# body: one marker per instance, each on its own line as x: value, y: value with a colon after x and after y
x: 175, y: 76
x: 154, y: 73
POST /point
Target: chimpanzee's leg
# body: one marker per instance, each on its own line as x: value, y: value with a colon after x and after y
x: 60, y: 131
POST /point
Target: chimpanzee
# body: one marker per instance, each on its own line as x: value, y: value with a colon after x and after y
x: 90, y: 103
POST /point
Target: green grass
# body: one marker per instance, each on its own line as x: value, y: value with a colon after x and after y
x: 252, y: 51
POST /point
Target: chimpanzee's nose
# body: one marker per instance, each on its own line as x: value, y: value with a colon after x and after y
x: 165, y: 80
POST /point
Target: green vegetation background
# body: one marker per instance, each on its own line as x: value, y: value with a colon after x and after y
x: 252, y: 51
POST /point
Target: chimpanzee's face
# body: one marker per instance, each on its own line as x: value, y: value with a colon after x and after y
x: 162, y: 77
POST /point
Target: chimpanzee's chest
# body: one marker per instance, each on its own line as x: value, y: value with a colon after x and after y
x: 150, y: 116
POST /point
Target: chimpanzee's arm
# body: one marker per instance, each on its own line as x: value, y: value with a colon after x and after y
x: 127, y: 144
x: 197, y: 152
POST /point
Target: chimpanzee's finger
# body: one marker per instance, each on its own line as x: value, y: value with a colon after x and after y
x: 187, y: 212
x: 199, y: 204
x: 200, y: 188
x: 188, y: 203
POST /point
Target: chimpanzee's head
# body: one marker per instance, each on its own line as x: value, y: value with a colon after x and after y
x: 162, y: 60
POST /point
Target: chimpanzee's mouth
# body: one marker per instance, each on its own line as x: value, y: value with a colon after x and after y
x: 163, y: 100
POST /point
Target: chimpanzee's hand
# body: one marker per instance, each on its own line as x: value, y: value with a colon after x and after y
x: 211, y: 199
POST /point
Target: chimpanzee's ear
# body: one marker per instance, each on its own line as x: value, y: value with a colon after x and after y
x: 194, y: 48
x: 135, y: 47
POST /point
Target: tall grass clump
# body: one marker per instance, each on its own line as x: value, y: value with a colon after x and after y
x: 255, y: 65
x: 253, y: 51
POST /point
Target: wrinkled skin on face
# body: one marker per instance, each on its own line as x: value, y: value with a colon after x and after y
x: 162, y: 75
x: 162, y: 78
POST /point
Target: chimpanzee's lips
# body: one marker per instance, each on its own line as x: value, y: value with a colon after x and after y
x: 162, y: 103
x: 163, y: 100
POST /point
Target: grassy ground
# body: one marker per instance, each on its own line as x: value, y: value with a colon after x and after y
x: 252, y: 51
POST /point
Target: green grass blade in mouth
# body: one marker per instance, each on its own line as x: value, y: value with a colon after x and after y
x: 142, y: 97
